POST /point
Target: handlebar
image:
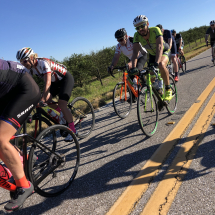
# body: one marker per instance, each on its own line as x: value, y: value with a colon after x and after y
x: 148, y: 69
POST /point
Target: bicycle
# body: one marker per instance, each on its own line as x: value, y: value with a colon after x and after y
x: 83, y: 117
x: 56, y: 163
x: 122, y: 102
x: 148, y: 105
x: 181, y: 62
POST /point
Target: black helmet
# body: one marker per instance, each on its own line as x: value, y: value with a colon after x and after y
x: 120, y: 33
x: 160, y: 26
x: 173, y: 31
x: 212, y: 22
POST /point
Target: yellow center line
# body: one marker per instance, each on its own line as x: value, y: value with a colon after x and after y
x: 129, y: 198
x: 167, y: 189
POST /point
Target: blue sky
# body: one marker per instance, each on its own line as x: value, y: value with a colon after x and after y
x: 62, y: 28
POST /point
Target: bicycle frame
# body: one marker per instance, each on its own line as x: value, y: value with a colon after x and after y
x: 135, y: 92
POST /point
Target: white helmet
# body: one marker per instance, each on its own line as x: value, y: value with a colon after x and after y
x: 139, y: 19
x: 212, y: 22
x: 24, y: 52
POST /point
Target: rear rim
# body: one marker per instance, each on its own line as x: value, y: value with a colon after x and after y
x: 83, y: 116
x: 41, y: 161
x: 172, y: 104
x: 147, y: 111
x: 122, y: 107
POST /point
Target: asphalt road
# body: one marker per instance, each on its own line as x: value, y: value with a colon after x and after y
x: 117, y: 149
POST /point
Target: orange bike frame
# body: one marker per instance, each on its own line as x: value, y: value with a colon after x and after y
x: 135, y: 92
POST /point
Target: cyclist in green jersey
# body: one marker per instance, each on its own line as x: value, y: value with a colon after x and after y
x: 159, y: 53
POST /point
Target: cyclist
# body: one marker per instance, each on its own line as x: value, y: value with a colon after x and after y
x: 159, y: 53
x: 179, y: 42
x: 57, y: 82
x: 168, y: 38
x: 211, y: 31
x: 125, y: 46
x: 19, y: 94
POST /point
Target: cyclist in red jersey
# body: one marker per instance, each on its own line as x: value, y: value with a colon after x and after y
x: 58, y: 81
x: 19, y: 94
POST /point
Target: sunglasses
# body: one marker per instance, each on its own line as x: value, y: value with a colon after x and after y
x: 141, y: 26
x: 24, y: 61
x: 212, y: 25
x: 120, y: 40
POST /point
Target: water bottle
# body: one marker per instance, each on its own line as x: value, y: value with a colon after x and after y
x: 155, y: 84
x: 53, y: 115
x: 62, y: 119
x: 160, y: 84
x: 135, y: 83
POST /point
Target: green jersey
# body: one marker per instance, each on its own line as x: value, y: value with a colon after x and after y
x: 150, y: 44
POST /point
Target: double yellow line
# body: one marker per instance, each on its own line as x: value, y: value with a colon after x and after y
x: 164, y: 194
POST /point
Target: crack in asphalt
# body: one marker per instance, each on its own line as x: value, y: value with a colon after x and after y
x: 190, y: 154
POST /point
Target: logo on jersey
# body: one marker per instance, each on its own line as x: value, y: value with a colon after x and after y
x: 20, y: 66
x: 25, y: 111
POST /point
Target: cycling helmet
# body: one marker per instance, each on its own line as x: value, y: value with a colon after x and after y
x: 139, y: 19
x: 159, y: 26
x: 120, y: 33
x: 23, y: 53
x: 173, y: 31
x: 212, y: 22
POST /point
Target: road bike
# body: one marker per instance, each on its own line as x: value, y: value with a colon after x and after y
x: 181, y: 63
x: 213, y: 52
x: 56, y: 163
x: 123, y: 93
x: 148, y: 106
x: 83, y: 117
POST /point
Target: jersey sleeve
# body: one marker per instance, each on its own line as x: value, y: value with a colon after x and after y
x: 118, y: 50
x: 136, y: 38
x: 45, y: 67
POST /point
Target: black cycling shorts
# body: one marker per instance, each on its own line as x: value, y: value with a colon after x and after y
x: 174, y: 48
x: 63, y: 88
x: 212, y: 42
x: 18, y: 103
x: 153, y: 57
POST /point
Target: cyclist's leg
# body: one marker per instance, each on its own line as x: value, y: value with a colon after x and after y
x: 174, y: 60
x: 66, y: 86
x: 162, y: 66
x: 15, y: 108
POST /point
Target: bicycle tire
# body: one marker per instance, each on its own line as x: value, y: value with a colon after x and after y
x: 83, y: 116
x: 44, y: 122
x: 183, y: 63
x: 172, y: 104
x: 122, y: 108
x: 58, y: 180
x: 148, y: 124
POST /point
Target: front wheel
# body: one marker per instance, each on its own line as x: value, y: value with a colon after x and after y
x: 172, y: 104
x: 83, y: 116
x: 147, y: 111
x: 122, y: 101
x: 183, y: 63
x: 53, y: 162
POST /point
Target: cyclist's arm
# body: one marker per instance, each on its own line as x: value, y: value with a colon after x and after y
x: 180, y: 43
x: 206, y: 37
x: 159, y: 49
x: 136, y: 49
x: 170, y: 43
x: 115, y: 59
x: 47, y: 80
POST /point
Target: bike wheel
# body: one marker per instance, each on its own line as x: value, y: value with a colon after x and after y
x: 83, y: 116
x: 172, y: 104
x: 147, y: 112
x: 50, y: 174
x: 183, y: 63
x: 122, y: 107
x: 31, y: 128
